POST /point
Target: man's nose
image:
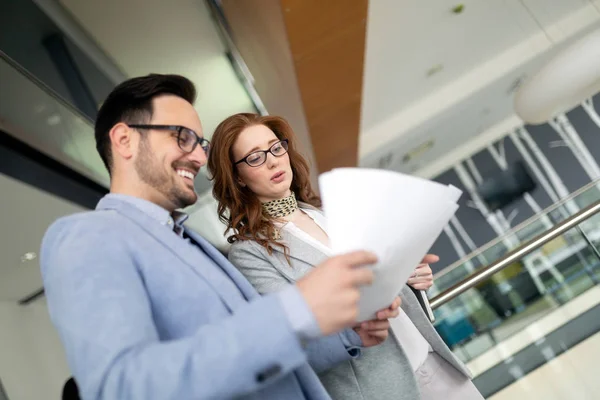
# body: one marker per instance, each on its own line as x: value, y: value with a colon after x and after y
x: 198, y: 156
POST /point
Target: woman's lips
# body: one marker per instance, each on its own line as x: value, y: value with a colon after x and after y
x: 278, y: 177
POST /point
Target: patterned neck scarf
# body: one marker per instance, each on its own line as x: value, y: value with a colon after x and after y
x: 282, y: 207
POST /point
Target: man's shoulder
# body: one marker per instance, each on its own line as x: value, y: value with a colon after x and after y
x: 85, y: 219
x: 83, y: 235
x: 84, y: 225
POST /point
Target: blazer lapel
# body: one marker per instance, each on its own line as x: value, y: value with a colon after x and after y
x: 300, y: 249
x: 415, y: 312
x: 186, y: 252
x: 236, y: 276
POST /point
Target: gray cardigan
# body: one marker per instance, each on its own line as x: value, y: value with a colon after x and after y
x: 381, y: 372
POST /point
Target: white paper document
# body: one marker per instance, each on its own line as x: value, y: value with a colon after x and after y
x: 397, y: 217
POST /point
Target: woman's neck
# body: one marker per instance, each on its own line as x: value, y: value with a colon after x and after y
x: 293, y: 216
x: 279, y: 196
x: 281, y: 208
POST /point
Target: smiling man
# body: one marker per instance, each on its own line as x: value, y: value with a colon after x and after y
x: 147, y: 309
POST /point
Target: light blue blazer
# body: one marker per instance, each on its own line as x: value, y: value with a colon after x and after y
x: 144, y: 314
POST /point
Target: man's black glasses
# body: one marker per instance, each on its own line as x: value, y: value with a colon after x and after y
x: 187, y: 139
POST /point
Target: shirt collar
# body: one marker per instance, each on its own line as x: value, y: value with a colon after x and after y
x: 156, y: 212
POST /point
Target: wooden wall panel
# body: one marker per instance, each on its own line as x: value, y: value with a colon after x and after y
x: 258, y: 30
x: 324, y: 43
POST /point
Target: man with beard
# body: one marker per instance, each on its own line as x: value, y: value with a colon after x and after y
x: 147, y: 309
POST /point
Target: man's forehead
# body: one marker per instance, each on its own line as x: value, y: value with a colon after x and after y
x: 173, y: 110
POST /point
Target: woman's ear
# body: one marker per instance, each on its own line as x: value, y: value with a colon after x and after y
x: 241, y: 182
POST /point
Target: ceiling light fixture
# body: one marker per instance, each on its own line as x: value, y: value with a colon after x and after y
x: 30, y: 256
x: 417, y: 151
x: 385, y: 161
x: 458, y: 9
x: 571, y: 77
x: 434, y: 70
x: 516, y: 84
x: 53, y: 120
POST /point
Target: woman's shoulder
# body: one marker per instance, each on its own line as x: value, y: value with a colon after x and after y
x: 247, y: 254
x: 242, y: 244
x: 247, y: 246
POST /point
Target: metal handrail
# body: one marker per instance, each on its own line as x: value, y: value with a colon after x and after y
x: 515, y: 255
x: 517, y: 228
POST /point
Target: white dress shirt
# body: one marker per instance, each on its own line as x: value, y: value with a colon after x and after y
x: 413, y: 343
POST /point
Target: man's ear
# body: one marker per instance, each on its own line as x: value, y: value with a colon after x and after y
x: 121, y: 140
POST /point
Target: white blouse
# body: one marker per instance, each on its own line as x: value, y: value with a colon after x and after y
x: 413, y: 343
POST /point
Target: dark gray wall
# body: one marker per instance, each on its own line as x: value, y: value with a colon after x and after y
x: 568, y: 168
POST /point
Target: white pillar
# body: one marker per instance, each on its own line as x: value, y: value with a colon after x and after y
x: 588, y: 106
x: 567, y: 132
x: 455, y: 223
x: 554, y: 186
x: 458, y: 247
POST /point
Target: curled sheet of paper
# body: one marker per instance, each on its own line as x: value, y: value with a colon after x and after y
x: 397, y: 217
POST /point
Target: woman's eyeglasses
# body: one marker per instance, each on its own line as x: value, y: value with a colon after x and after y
x: 259, y: 157
x: 187, y: 139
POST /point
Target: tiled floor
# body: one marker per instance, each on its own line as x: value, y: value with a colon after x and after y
x: 574, y: 375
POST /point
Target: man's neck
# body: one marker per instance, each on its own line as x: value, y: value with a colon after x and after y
x: 140, y: 191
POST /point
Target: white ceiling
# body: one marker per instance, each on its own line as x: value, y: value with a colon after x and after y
x: 480, y: 54
x: 26, y: 213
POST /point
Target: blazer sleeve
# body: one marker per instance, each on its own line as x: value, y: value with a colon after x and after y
x: 323, y: 353
x: 98, y: 303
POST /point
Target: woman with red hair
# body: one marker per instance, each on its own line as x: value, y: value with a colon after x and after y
x: 278, y: 234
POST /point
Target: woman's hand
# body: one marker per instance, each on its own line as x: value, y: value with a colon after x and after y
x: 376, y: 331
x: 422, y: 278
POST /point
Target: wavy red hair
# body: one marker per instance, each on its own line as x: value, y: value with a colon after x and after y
x: 238, y: 207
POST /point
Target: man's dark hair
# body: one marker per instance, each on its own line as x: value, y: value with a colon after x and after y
x: 131, y: 103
